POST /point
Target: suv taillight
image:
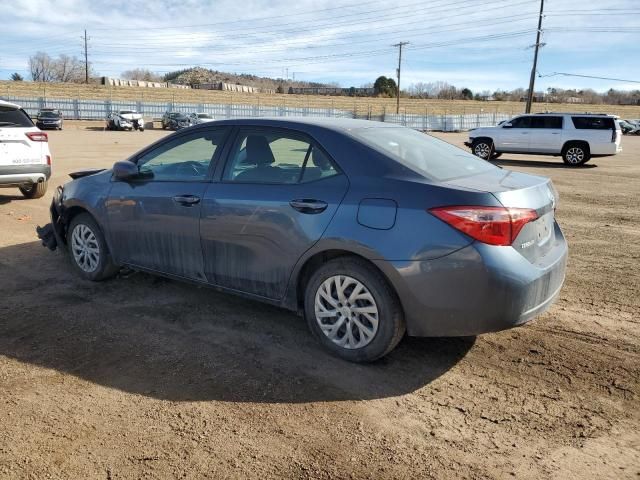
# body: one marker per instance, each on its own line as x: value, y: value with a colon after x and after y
x: 614, y: 135
x: 492, y: 225
x: 37, y: 136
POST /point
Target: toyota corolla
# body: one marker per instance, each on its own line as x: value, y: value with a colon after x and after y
x: 366, y: 229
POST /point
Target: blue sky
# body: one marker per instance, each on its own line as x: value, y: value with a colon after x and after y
x: 479, y: 44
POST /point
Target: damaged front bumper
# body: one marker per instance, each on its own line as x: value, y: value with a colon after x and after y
x: 52, y: 234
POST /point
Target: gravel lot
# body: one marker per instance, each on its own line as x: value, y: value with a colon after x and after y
x: 142, y: 377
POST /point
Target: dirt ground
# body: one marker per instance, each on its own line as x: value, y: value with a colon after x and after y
x: 142, y: 377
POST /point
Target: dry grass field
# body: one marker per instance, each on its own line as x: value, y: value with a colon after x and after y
x: 361, y: 105
x: 143, y: 377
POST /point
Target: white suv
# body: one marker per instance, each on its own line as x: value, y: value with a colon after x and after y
x: 25, y: 160
x: 575, y: 136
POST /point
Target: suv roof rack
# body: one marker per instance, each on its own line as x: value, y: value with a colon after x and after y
x: 576, y: 113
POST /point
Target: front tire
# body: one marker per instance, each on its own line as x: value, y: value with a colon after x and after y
x: 576, y: 154
x: 483, y: 149
x: 352, y: 310
x: 88, y: 249
x: 35, y: 190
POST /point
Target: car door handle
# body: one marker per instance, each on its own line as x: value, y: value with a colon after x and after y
x: 306, y: 205
x: 555, y: 133
x: 186, y: 200
x: 524, y: 133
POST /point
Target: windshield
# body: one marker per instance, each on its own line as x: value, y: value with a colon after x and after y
x: 432, y: 158
x: 48, y: 114
x: 126, y: 112
x: 12, y: 117
x: 204, y: 115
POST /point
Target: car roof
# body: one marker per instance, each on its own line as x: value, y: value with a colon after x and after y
x: 9, y: 104
x: 583, y: 114
x: 335, y: 124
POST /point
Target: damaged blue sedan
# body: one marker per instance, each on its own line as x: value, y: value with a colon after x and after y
x: 368, y: 230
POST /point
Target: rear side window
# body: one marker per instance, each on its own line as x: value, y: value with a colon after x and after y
x: 11, y: 117
x: 274, y: 156
x: 546, y: 122
x: 594, y: 123
x: 428, y: 156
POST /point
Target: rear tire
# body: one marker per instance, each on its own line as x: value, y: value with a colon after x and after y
x: 372, y: 314
x: 483, y: 149
x: 88, y: 249
x: 576, y: 154
x: 35, y: 190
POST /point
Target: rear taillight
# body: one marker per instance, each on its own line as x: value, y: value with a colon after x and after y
x: 48, y: 159
x: 37, y: 136
x: 492, y: 225
x: 614, y: 135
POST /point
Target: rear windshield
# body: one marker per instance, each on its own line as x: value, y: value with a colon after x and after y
x: 204, y: 115
x: 126, y: 112
x: 594, y: 123
x: 11, y: 117
x: 426, y: 155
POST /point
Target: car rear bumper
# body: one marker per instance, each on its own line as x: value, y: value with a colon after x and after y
x: 477, y: 289
x: 11, y: 175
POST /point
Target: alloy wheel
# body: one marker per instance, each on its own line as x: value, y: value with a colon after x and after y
x: 575, y: 155
x: 85, y: 248
x: 346, y: 312
x: 482, y: 150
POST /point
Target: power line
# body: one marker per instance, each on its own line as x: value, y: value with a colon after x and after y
x: 588, y: 76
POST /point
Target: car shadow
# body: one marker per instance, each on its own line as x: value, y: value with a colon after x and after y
x: 4, y: 199
x: 169, y: 340
x: 512, y: 162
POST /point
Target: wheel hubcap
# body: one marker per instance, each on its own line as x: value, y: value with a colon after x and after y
x: 482, y: 150
x: 85, y: 248
x: 346, y: 312
x: 575, y: 155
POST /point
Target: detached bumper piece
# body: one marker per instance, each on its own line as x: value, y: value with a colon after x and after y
x: 47, y: 235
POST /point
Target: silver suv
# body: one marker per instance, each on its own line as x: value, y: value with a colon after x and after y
x: 575, y: 136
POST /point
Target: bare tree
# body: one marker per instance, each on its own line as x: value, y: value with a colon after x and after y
x: 68, y: 69
x: 141, y: 74
x: 41, y: 67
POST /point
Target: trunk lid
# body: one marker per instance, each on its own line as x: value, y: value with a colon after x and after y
x: 520, y: 190
x: 17, y: 149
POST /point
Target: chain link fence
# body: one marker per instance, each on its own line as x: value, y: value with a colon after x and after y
x: 76, y: 109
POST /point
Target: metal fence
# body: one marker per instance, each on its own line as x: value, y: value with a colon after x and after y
x: 76, y: 109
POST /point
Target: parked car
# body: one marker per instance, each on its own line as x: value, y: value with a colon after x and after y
x: 25, y: 159
x: 197, y: 118
x: 125, y: 120
x: 629, y: 127
x: 175, y: 120
x: 365, y: 228
x: 575, y: 136
x: 49, y: 118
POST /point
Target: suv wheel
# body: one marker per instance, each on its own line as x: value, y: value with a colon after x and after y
x: 483, y: 149
x: 353, y: 311
x: 35, y: 190
x: 575, y: 154
x: 88, y: 249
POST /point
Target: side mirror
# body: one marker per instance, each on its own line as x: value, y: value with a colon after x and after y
x: 125, y: 170
x: 507, y: 125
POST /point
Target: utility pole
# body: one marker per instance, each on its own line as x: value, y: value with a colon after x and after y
x: 399, y: 45
x: 532, y: 79
x: 86, y: 59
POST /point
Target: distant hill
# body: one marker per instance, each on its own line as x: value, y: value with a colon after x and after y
x: 196, y: 75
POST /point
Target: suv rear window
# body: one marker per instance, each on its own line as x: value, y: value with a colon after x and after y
x: 11, y: 117
x: 594, y: 123
x: 432, y: 158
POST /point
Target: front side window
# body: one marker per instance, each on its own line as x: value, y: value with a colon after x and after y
x: 186, y: 158
x: 521, y: 122
x: 272, y: 156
